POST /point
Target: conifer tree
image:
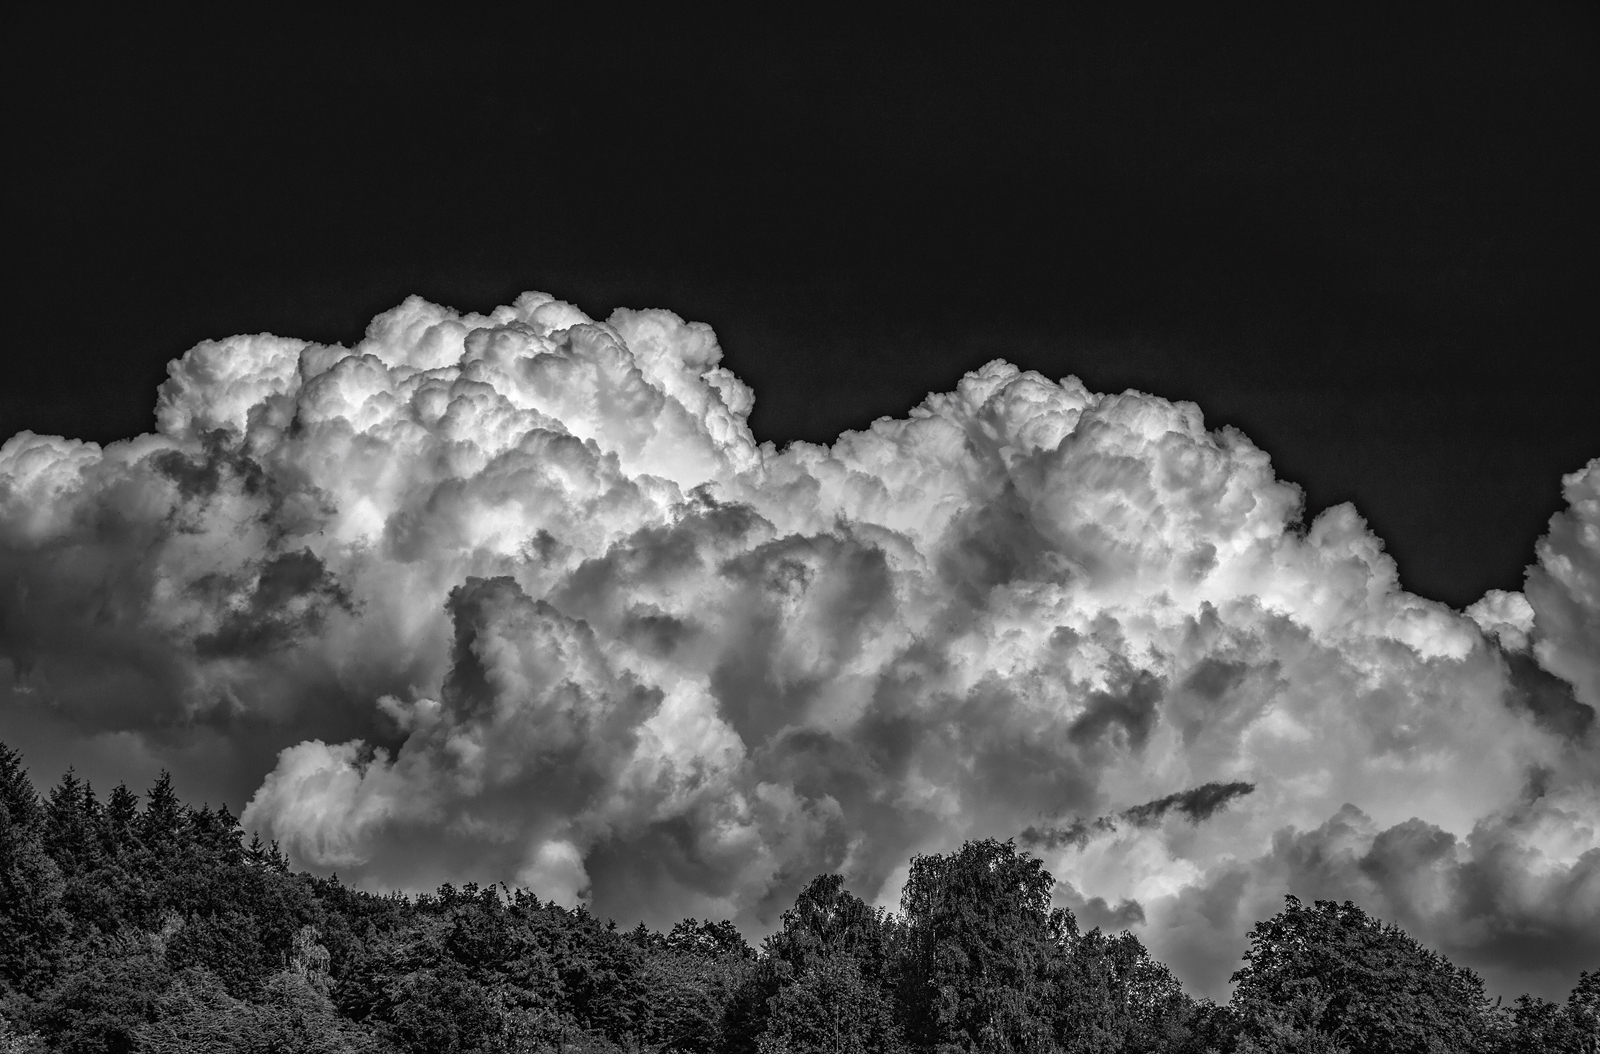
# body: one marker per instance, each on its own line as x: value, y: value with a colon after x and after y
x: 161, y: 825
x: 66, y: 826
x: 17, y: 795
x: 31, y: 920
x: 122, y: 818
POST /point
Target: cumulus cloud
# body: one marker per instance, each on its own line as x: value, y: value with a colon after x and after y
x: 518, y: 597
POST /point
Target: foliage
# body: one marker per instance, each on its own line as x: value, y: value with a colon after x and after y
x: 981, y: 945
x: 155, y: 926
x: 197, y: 1016
x: 14, y: 1042
x: 830, y: 1006
x: 691, y: 975
x: 827, y: 976
x: 1330, y: 974
x: 31, y: 919
x: 1538, y: 1026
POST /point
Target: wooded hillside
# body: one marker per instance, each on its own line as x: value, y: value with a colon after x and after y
x: 129, y: 925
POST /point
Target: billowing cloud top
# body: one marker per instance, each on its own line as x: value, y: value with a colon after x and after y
x: 518, y: 597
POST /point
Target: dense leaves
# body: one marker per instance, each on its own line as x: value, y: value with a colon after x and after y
x: 154, y: 926
x: 31, y: 919
x: 982, y: 944
x: 825, y: 982
x: 1332, y: 972
x: 990, y: 965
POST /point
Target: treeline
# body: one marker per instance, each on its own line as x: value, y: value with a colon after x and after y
x: 153, y: 926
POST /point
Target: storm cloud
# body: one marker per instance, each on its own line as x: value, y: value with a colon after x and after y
x: 518, y: 597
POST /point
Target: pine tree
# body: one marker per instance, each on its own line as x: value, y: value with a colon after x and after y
x: 17, y: 795
x: 122, y: 820
x: 66, y: 830
x: 161, y: 827
x: 31, y: 919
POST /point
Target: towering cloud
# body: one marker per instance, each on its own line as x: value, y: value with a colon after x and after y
x: 517, y: 597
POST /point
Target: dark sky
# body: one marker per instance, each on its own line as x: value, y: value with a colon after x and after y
x: 1368, y: 241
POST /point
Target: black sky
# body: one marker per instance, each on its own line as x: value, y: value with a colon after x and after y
x: 1367, y: 240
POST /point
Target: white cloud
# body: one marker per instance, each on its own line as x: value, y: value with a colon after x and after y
x: 518, y: 597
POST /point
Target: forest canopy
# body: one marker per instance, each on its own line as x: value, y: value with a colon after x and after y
x: 131, y: 924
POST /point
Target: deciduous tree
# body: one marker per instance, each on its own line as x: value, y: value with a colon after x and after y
x: 1330, y: 972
